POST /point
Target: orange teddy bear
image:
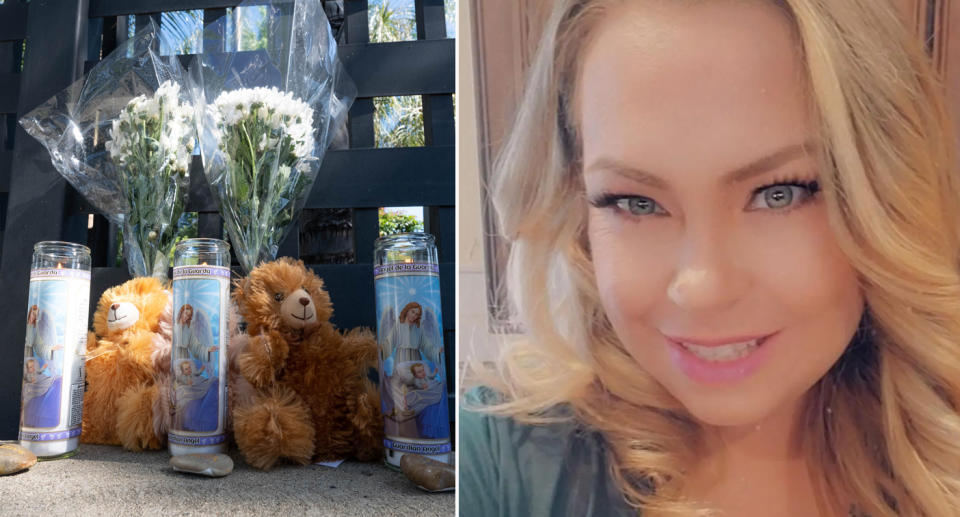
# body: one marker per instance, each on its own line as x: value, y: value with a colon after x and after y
x: 313, y: 400
x: 128, y: 368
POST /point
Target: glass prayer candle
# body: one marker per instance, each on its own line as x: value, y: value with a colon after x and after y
x: 413, y: 389
x: 54, y: 350
x: 201, y: 292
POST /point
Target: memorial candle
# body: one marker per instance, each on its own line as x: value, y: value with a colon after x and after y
x: 413, y: 387
x: 53, y: 353
x: 201, y: 292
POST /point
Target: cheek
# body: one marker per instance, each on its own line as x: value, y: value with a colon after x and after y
x: 802, y: 267
x: 630, y: 264
x: 818, y: 294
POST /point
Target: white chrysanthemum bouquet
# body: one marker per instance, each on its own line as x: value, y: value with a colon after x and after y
x: 267, y: 140
x: 123, y: 137
x: 151, y: 144
x: 267, y: 117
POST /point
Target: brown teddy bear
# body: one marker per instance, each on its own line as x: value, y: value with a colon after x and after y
x: 128, y: 365
x: 313, y: 400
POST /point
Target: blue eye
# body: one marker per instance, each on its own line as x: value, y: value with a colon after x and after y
x: 628, y: 204
x: 779, y: 196
x: 638, y: 205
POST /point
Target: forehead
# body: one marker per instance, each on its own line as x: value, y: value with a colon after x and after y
x: 689, y: 86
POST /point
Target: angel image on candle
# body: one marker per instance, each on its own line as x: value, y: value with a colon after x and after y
x: 42, y: 379
x: 414, y: 398
x: 196, y: 383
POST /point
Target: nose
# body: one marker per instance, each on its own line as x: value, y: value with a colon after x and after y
x: 707, y: 276
x: 115, y: 306
x: 304, y: 301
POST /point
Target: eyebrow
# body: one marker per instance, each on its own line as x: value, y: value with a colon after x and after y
x: 759, y: 166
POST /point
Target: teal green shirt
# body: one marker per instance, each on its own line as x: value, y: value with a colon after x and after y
x: 513, y: 469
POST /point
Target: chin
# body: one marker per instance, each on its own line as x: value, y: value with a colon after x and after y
x: 746, y: 406
x: 734, y: 412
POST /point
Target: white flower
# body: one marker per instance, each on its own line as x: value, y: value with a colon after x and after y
x: 160, y: 123
x: 273, y: 112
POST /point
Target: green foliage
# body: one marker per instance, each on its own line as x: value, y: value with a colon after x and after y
x: 395, y: 222
x: 187, y: 228
x: 182, y: 32
x: 450, y: 13
x: 390, y: 23
x: 252, y: 37
x: 398, y: 121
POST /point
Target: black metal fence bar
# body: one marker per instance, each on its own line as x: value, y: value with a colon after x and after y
x: 382, y: 177
x: 9, y: 92
x: 439, y: 219
x: 383, y: 69
x: 13, y: 21
x: 360, y: 126
x: 36, y: 211
x: 99, y: 8
x: 392, y: 73
x: 431, y: 20
x: 352, y: 178
x: 6, y: 165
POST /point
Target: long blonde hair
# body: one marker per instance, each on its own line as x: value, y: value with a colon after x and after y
x: 883, y: 423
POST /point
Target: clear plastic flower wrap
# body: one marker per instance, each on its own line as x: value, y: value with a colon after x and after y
x: 123, y: 137
x: 268, y: 115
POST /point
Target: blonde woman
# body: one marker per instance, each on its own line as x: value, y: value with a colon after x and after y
x: 735, y: 251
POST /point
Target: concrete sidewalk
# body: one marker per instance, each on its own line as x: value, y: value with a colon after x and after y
x: 103, y: 480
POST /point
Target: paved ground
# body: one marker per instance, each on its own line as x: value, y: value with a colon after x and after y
x: 102, y: 480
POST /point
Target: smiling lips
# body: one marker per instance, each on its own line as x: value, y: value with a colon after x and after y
x: 719, y: 360
x: 719, y: 350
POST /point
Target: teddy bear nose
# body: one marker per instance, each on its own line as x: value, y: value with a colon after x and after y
x: 115, y: 306
x: 304, y: 301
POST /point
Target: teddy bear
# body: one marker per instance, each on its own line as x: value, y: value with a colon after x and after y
x: 313, y: 400
x: 127, y: 365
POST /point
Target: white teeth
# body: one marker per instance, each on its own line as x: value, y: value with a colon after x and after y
x: 722, y: 353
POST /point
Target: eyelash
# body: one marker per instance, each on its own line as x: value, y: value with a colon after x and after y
x: 612, y: 200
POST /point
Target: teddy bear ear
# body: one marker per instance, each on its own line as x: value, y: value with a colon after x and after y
x: 241, y: 286
x: 288, y: 261
x: 315, y: 281
x: 143, y: 287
